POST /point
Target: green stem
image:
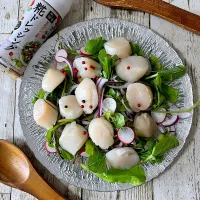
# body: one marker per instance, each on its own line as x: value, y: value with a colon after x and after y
x: 64, y: 88
x: 178, y: 111
x: 152, y: 76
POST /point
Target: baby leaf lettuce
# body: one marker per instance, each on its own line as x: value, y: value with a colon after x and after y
x: 40, y: 95
x: 107, y: 62
x: 136, y: 50
x: 66, y: 155
x: 155, y: 64
x: 95, y: 45
x: 117, y: 119
x: 134, y: 176
x: 154, y: 152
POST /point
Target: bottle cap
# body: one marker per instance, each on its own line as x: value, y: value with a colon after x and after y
x: 61, y: 6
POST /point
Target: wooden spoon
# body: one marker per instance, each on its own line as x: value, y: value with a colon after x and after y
x: 17, y: 171
x: 162, y: 9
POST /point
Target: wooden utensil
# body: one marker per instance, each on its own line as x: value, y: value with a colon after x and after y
x: 160, y: 8
x: 17, y: 171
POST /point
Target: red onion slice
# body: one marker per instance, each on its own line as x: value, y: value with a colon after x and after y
x: 171, y: 121
x: 61, y: 55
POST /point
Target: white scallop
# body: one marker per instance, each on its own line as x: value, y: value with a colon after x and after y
x: 69, y: 107
x: 122, y: 158
x: 45, y: 113
x: 87, y: 68
x: 144, y: 125
x: 73, y: 137
x: 87, y: 92
x: 139, y: 96
x: 52, y: 78
x: 118, y: 46
x: 132, y: 68
x: 101, y: 132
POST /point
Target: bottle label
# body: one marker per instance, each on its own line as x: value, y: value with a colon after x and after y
x: 35, y: 26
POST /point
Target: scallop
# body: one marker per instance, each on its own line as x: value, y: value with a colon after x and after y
x: 69, y: 107
x: 52, y: 79
x: 139, y: 96
x: 87, y: 68
x: 132, y: 68
x: 87, y: 96
x: 144, y: 125
x: 45, y: 113
x: 101, y: 132
x: 118, y: 46
x: 122, y: 158
x: 73, y: 137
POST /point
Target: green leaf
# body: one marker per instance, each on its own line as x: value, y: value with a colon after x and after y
x: 39, y: 95
x: 95, y: 45
x: 107, y: 62
x: 117, y: 119
x: 169, y: 75
x: 136, y: 50
x: 72, y: 52
x: 135, y: 176
x: 171, y: 94
x: 155, y: 64
x: 90, y: 148
x: 66, y: 155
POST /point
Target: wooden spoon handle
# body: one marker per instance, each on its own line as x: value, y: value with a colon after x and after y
x: 162, y: 9
x: 36, y: 186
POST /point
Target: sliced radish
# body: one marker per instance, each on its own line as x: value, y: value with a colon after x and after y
x: 184, y: 115
x: 61, y: 55
x: 84, y: 154
x: 84, y: 53
x: 161, y: 128
x: 171, y: 121
x: 119, y: 87
x: 109, y: 104
x: 126, y: 135
x: 48, y: 148
x: 159, y: 117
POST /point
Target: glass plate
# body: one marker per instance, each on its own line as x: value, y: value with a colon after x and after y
x: 75, y: 37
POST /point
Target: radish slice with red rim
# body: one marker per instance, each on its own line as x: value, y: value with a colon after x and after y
x: 84, y: 53
x: 84, y: 154
x: 184, y: 115
x: 126, y: 135
x: 109, y: 104
x: 48, y: 148
x: 162, y: 129
x: 159, y: 117
x: 171, y: 121
x: 172, y: 129
x: 61, y: 55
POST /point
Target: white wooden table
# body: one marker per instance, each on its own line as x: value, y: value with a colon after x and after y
x: 181, y: 181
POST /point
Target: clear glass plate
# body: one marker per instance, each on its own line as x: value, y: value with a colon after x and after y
x: 75, y: 37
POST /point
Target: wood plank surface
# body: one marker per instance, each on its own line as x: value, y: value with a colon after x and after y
x: 182, y: 180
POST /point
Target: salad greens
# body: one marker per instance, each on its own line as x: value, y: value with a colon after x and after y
x: 150, y: 150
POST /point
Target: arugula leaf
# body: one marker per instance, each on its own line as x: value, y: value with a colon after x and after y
x: 97, y: 159
x: 49, y: 134
x: 156, y: 151
x: 40, y: 95
x: 117, y: 119
x: 135, y: 176
x: 66, y: 155
x: 95, y: 45
x: 136, y: 50
x: 107, y: 62
x: 155, y: 64
x: 171, y: 94
x: 73, y: 52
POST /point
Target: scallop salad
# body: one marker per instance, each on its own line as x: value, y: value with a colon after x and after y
x: 110, y: 103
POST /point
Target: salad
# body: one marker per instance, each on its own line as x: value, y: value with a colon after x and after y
x: 110, y: 103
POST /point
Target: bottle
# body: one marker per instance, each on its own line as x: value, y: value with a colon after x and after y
x: 39, y: 21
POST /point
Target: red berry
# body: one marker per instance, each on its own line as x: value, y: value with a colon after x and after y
x: 92, y: 67
x: 139, y: 105
x: 11, y: 53
x: 83, y: 62
x: 64, y: 117
x: 79, y: 76
x: 90, y: 107
x: 62, y: 70
x: 128, y: 67
x: 84, y: 132
x: 43, y: 37
x: 85, y: 68
x: 65, y: 73
x: 82, y: 106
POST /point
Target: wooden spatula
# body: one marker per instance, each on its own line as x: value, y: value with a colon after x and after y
x: 159, y: 8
